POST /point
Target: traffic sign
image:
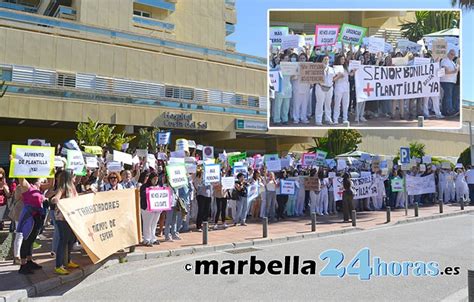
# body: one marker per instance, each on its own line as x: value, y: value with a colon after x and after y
x: 404, y: 155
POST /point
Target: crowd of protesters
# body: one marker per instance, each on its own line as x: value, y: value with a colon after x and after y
x: 31, y: 202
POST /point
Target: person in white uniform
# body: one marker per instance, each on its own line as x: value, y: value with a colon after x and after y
x: 324, y: 93
x: 450, y: 191
x: 377, y: 200
x: 462, y: 189
x: 301, y: 97
x: 434, y: 102
x: 322, y: 208
x: 341, y: 90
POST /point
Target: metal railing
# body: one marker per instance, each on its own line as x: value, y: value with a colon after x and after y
x: 157, y: 4
x: 152, y: 22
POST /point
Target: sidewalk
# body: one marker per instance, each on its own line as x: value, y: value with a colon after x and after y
x: 11, y: 280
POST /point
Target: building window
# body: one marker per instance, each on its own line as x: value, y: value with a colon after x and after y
x: 66, y: 80
x: 142, y: 13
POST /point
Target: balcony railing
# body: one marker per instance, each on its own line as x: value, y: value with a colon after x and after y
x: 149, y: 22
x: 230, y: 45
x: 19, y: 7
x: 65, y: 12
x: 158, y: 4
x: 229, y: 29
x: 230, y: 3
x: 90, y: 87
x: 42, y: 22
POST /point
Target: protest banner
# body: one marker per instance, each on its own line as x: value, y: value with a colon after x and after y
x: 163, y: 138
x: 75, y: 162
x: 389, y: 82
x: 439, y: 49
x: 208, y: 152
x: 287, y: 187
x: 285, y: 163
x: 352, y: 34
x: 426, y: 159
x: 420, y: 185
x: 275, y: 79
x: 158, y: 199
x: 276, y: 33
x: 258, y: 162
x: 364, y: 187
x: 123, y: 157
x: 141, y: 153
x: 311, y: 184
x: 240, y: 169
x: 309, y: 41
x: 177, y: 175
x: 332, y: 174
x: 96, y: 150
x: 338, y: 69
x: 354, y: 64
x: 58, y: 162
x: 92, y: 162
x: 114, y: 166
x: 273, y: 165
x: 405, y: 45
x: 341, y: 164
x: 403, y: 61
x: 291, y: 41
x: 311, y: 73
x: 182, y: 144
x: 422, y: 168
x: 236, y: 158
x: 321, y: 157
x: 32, y: 161
x: 212, y: 173
x: 376, y: 44
x: 365, y: 174
x: 308, y: 159
x: 175, y: 154
x: 151, y: 161
x: 104, y: 222
x: 388, y: 47
x: 421, y: 61
x: 228, y: 182
x: 252, y: 192
x: 268, y: 157
x: 289, y: 68
x: 326, y: 34
x: 397, y: 185
x: 445, y: 165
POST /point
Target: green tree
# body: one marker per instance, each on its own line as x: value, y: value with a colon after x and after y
x: 94, y: 134
x: 465, y: 157
x: 337, y: 141
x: 427, y: 22
x: 464, y: 4
x: 417, y: 149
x: 147, y: 139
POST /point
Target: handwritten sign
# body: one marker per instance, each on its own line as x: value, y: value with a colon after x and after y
x: 326, y: 34
x: 32, y: 161
x: 75, y: 161
x: 311, y: 73
x: 212, y: 173
x: 158, y: 199
x: 177, y: 175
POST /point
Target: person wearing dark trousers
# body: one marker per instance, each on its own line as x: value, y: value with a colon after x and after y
x: 347, y: 197
x: 281, y: 199
x: 221, y: 201
x: 203, y: 195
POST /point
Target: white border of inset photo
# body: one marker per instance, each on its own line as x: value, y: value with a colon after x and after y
x: 351, y: 125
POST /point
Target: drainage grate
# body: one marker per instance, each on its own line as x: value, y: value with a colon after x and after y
x: 242, y: 251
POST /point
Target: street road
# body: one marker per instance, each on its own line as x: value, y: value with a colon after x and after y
x: 448, y: 241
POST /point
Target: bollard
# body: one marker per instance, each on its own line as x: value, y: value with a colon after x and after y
x: 441, y: 207
x: 470, y: 284
x: 265, y: 227
x: 205, y: 228
x: 421, y: 120
x: 313, y: 222
x: 354, y: 218
x: 388, y: 214
x: 461, y: 203
x: 416, y: 209
x: 347, y: 124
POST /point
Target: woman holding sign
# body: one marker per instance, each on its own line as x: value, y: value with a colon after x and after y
x: 341, y: 90
x: 30, y: 220
x: 324, y: 94
x: 221, y: 201
x: 282, y: 98
x: 149, y: 219
x: 66, y: 238
x: 301, y: 97
x: 203, y: 193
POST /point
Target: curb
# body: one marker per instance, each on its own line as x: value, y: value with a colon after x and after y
x: 46, y: 285
x: 435, y: 216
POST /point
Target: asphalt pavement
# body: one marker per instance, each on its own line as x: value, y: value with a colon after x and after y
x: 447, y: 241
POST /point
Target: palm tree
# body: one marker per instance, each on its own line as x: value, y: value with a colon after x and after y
x: 337, y: 141
x: 464, y: 4
x: 427, y: 22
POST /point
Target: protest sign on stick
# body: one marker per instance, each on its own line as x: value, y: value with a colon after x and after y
x: 32, y: 161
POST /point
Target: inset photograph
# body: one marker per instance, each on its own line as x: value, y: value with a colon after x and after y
x: 364, y: 69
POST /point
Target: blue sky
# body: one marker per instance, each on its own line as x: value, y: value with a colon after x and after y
x: 250, y: 33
